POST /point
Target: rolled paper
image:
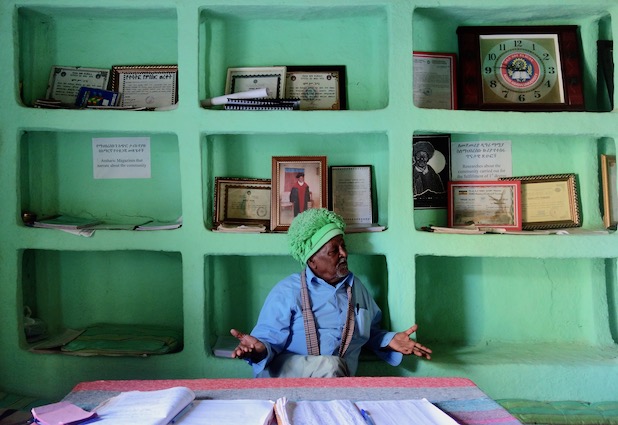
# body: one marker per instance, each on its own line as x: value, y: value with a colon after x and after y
x: 222, y: 100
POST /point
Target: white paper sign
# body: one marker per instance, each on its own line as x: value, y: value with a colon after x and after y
x: 121, y: 158
x: 481, y: 160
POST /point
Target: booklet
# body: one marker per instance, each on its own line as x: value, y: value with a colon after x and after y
x: 62, y: 413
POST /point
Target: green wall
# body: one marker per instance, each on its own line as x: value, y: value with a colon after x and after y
x: 522, y: 316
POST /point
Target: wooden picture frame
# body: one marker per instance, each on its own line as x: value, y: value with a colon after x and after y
x: 549, y: 201
x: 243, y: 79
x: 319, y: 87
x: 146, y: 86
x: 289, y: 198
x: 351, y: 193
x: 490, y: 204
x: 608, y: 185
x: 221, y: 199
x: 520, y: 68
x: 435, y: 80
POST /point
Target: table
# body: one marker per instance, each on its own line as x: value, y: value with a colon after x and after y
x: 458, y: 397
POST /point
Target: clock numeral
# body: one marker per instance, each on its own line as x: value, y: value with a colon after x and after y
x: 506, y: 93
x: 492, y: 56
x: 546, y: 56
x: 533, y: 46
x: 493, y: 84
x: 502, y: 47
x: 548, y: 83
x: 537, y: 94
x: 517, y: 43
x: 551, y: 70
x: 521, y: 97
x: 488, y: 70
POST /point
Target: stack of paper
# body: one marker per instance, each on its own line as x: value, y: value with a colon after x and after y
x: 159, y: 407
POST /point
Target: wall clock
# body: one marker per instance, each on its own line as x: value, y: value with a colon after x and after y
x: 514, y: 68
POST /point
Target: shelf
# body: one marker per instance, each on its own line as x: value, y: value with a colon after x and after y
x: 76, y: 289
x: 355, y: 36
x: 250, y: 156
x: 473, y: 301
x: 535, y: 154
x: 57, y: 178
x: 47, y: 35
x: 435, y: 29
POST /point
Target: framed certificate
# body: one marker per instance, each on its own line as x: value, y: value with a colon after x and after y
x: 251, y: 78
x: 317, y: 87
x: 434, y: 80
x: 65, y: 82
x: 549, y: 201
x: 152, y: 86
x: 351, y: 193
x: 233, y: 204
x: 608, y: 183
x: 495, y: 204
x: 246, y: 203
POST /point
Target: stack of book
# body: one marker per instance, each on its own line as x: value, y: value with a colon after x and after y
x: 262, y: 104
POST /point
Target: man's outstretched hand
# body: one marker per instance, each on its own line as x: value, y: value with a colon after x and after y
x: 402, y: 343
x: 249, y: 347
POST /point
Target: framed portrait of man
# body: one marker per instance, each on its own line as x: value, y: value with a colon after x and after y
x: 298, y: 183
x: 430, y: 170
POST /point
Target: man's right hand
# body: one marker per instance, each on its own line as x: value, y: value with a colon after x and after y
x: 249, y: 347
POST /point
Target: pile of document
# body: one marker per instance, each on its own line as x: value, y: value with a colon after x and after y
x: 178, y: 405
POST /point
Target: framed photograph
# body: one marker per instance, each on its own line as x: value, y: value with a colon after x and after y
x: 430, y: 170
x: 351, y: 193
x: 230, y: 192
x: 608, y: 184
x: 549, y: 201
x: 520, y: 68
x: 251, y: 78
x: 299, y: 183
x: 150, y: 86
x: 319, y: 87
x: 434, y: 76
x: 494, y: 204
x: 65, y: 82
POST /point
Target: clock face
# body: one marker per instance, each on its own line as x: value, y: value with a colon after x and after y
x: 521, y: 69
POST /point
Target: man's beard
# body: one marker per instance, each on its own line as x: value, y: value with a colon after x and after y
x: 342, y: 269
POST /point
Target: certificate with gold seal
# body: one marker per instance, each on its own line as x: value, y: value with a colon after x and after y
x: 317, y: 87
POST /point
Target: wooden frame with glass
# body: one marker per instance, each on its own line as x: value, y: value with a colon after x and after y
x: 351, y: 193
x: 485, y: 204
x: 234, y: 205
x: 298, y: 183
x: 146, y: 86
x: 520, y: 68
x: 319, y: 87
x: 608, y: 184
x: 549, y: 201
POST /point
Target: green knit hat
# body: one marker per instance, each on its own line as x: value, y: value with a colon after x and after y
x: 311, y: 229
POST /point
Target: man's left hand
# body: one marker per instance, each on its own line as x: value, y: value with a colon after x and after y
x: 402, y: 343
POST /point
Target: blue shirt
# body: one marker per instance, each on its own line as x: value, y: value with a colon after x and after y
x: 280, y: 324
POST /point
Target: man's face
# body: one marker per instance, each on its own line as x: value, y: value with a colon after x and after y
x: 331, y: 261
x: 421, y: 158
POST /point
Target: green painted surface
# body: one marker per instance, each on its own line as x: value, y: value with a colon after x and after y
x: 524, y: 317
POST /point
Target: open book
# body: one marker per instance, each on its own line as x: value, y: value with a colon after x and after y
x: 346, y: 412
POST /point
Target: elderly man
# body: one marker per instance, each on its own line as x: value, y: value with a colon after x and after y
x: 314, y: 323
